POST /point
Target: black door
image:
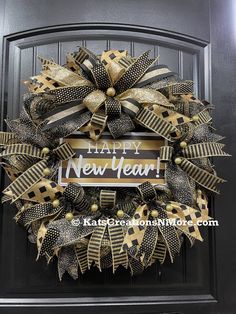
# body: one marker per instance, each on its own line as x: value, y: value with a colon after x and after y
x: 197, y: 39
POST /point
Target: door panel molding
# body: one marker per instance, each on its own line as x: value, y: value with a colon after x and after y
x: 17, y: 48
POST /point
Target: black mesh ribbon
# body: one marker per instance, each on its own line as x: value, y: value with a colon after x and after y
x: 62, y: 232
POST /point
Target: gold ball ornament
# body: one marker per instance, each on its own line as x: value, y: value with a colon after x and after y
x: 45, y: 150
x: 183, y: 144
x: 169, y: 207
x: 195, y: 118
x: 120, y: 213
x: 94, y: 207
x: 178, y: 161
x: 154, y: 213
x: 55, y: 203
x: 111, y: 91
x: 46, y: 171
x: 69, y: 216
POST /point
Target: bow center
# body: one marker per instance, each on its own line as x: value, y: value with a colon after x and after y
x: 111, y: 92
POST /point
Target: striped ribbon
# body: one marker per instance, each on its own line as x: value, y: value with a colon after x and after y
x: 154, y: 74
x: 125, y: 62
x: 32, y: 175
x: 81, y: 254
x: 94, y: 246
x: 160, y: 250
x: 116, y: 239
x: 201, y: 176
x: 6, y: 138
x: 22, y: 149
x: 131, y: 107
x: 156, y: 124
x: 63, y: 113
x: 166, y: 153
x: 64, y: 151
x: 26, y: 180
x: 83, y: 54
x: 203, y: 117
x: 133, y: 74
x: 74, y: 193
x: 208, y: 149
x: 107, y: 199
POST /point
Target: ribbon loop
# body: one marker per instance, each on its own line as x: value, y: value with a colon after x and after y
x: 134, y: 72
x: 166, y: 153
x: 64, y: 151
x: 112, y: 107
x: 107, y: 199
x: 101, y: 77
x: 147, y: 191
x: 131, y: 107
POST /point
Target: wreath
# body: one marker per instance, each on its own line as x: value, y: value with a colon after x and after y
x: 117, y: 93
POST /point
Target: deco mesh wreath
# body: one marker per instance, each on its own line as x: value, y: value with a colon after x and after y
x: 118, y: 93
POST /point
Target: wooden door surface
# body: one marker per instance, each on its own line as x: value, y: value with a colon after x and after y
x: 195, y: 38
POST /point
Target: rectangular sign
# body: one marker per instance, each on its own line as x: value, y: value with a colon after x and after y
x: 128, y: 161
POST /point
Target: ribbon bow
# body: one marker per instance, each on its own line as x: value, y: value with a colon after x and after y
x: 142, y: 240
x: 107, y: 92
x: 184, y: 154
x: 38, y: 170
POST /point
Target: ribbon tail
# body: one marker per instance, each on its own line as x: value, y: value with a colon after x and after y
x: 202, y: 177
x: 26, y: 180
x: 153, y: 122
x: 67, y: 262
x: 170, y: 236
x: 116, y: 239
x: 81, y: 254
x: 94, y: 246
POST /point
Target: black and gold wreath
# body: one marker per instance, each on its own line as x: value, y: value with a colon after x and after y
x: 118, y: 93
